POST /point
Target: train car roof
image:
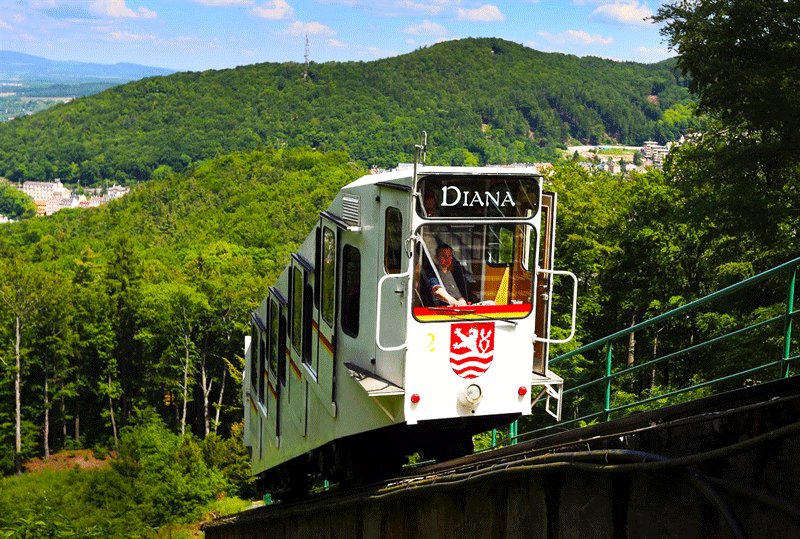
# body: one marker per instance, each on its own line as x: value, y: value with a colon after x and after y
x: 403, y: 175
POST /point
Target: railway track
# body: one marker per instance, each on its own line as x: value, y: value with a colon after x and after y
x: 689, y: 441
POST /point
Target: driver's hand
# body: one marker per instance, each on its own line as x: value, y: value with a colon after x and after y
x: 461, y: 302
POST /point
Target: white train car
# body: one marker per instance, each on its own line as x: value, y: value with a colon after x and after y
x: 415, y: 315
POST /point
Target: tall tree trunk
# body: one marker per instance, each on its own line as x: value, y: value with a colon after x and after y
x: 63, y: 419
x: 46, y: 434
x: 219, y: 401
x: 185, y: 382
x: 205, y: 385
x: 77, y: 421
x: 111, y: 412
x: 18, y: 399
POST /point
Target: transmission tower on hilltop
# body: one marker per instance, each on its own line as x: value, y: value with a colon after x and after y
x: 305, y: 68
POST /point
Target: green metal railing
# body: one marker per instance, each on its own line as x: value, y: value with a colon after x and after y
x: 620, y: 376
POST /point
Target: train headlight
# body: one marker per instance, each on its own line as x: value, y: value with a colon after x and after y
x: 473, y: 394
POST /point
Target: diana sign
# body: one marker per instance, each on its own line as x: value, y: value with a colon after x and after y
x: 453, y: 196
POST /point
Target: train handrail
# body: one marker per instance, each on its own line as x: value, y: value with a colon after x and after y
x: 381, y: 281
x: 787, y: 355
x: 574, y: 307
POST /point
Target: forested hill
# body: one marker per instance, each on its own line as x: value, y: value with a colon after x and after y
x: 484, y: 100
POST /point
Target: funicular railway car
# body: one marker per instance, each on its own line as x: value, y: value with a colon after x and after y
x: 415, y: 315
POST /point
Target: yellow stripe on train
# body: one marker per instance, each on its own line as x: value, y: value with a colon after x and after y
x: 472, y: 312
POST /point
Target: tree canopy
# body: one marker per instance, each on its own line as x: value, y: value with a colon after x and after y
x: 742, y: 61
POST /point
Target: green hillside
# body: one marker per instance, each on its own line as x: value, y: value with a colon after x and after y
x: 484, y: 100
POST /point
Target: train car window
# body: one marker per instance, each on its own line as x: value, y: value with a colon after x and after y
x: 351, y: 290
x: 317, y: 265
x: 500, y: 245
x: 307, y: 308
x: 262, y: 369
x: 328, y: 274
x: 297, y: 309
x: 393, y: 240
x: 254, y: 357
x: 282, y: 350
x: 273, y: 338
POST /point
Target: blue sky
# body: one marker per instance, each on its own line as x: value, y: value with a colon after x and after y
x: 214, y: 34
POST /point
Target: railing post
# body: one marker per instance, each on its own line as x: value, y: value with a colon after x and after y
x: 607, y: 414
x: 787, y: 332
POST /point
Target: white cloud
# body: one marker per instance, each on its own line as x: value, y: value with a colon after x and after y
x: 485, y: 13
x: 118, y: 35
x: 431, y: 7
x: 381, y: 53
x: 118, y: 8
x: 336, y: 43
x: 349, y: 3
x: 4, y: 25
x: 655, y: 54
x: 225, y: 2
x: 426, y: 28
x: 313, y: 28
x: 577, y: 36
x: 274, y: 10
x: 628, y: 13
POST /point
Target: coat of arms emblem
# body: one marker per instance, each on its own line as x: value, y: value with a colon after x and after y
x: 471, y: 348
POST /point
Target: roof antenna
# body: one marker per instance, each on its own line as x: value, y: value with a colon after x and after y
x: 305, y: 69
x: 421, y: 149
x: 419, y: 158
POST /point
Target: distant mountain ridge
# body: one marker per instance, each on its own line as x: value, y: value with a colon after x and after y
x: 482, y: 101
x: 20, y: 66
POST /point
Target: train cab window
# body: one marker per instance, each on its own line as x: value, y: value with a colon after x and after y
x: 297, y: 309
x: 479, y: 264
x: 328, y: 274
x: 351, y: 290
x: 393, y: 241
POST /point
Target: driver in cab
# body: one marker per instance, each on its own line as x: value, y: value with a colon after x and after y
x: 452, y: 288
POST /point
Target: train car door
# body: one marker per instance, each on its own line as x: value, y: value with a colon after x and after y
x: 544, y: 281
x: 324, y: 322
x: 393, y: 230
